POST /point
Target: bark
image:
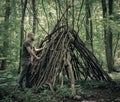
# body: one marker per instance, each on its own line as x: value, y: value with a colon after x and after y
x: 34, y: 15
x: 107, y: 38
x: 88, y: 25
x: 24, y: 5
x: 73, y: 14
x: 110, y: 7
x: 111, y: 35
x: 6, y: 42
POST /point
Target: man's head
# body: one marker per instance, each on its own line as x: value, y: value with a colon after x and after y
x: 31, y: 36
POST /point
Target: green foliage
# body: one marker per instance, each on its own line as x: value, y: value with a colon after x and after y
x: 64, y: 91
x: 47, y: 16
x: 48, y: 13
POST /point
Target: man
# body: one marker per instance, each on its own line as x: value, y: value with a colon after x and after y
x: 27, y: 55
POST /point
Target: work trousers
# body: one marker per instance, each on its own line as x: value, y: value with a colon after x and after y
x: 25, y: 73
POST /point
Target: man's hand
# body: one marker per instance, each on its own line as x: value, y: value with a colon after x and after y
x: 32, y: 53
x: 40, y: 49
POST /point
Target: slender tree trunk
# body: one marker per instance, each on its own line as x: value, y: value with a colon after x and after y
x: 107, y: 38
x: 110, y: 7
x: 67, y: 14
x: 6, y: 42
x: 88, y: 25
x: 110, y: 33
x: 73, y: 14
x: 34, y: 16
x: 24, y: 5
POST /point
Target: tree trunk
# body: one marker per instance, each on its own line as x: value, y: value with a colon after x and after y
x: 5, y: 43
x: 24, y: 5
x: 73, y: 14
x: 34, y: 16
x: 107, y: 38
x: 88, y: 25
x: 110, y: 33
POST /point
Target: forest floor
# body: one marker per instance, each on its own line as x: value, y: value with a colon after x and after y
x: 90, y: 91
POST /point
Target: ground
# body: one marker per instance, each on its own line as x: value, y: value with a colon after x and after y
x: 99, y: 95
x: 90, y: 91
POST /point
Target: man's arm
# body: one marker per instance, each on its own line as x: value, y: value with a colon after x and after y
x: 39, y: 49
x: 32, y: 53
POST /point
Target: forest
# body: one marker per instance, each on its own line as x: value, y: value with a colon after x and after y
x: 80, y: 59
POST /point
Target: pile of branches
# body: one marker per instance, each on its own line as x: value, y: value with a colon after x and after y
x: 66, y: 56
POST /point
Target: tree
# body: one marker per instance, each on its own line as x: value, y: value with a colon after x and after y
x: 5, y: 42
x: 34, y: 15
x: 108, y: 34
x: 88, y: 25
x: 24, y: 6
